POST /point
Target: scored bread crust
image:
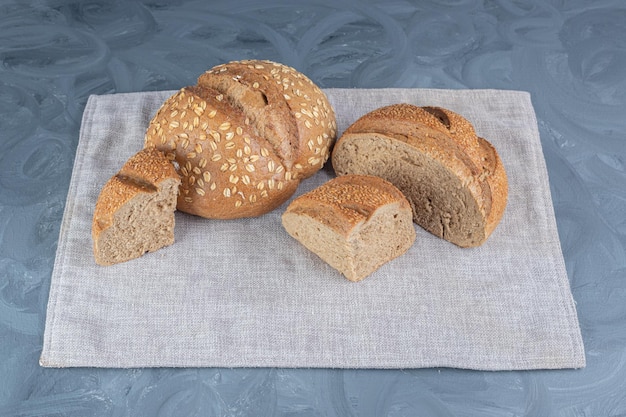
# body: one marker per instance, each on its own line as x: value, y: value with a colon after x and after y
x: 147, y: 174
x: 439, y: 135
x: 227, y: 170
x: 244, y: 137
x: 355, y: 223
x: 285, y: 105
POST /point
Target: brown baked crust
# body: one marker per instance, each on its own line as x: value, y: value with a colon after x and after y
x: 347, y: 201
x: 495, y: 175
x: 227, y: 170
x: 240, y: 146
x: 285, y: 104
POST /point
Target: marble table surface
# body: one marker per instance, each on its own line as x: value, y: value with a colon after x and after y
x: 570, y: 55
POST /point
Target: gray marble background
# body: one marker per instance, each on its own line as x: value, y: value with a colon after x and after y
x: 570, y: 55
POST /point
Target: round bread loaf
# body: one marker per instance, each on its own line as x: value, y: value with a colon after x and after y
x: 244, y: 137
x: 454, y: 180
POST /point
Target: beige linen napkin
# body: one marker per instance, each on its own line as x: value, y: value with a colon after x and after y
x: 242, y: 293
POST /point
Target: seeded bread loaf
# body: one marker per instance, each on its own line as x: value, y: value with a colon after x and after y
x: 244, y: 137
x: 134, y: 213
x: 354, y: 223
x: 454, y: 180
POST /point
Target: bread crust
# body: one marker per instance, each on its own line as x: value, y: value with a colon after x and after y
x: 285, y: 100
x: 348, y: 201
x: 227, y: 169
x: 244, y: 137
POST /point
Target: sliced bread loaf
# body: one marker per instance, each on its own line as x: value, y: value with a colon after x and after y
x: 354, y: 223
x: 453, y: 179
x: 134, y: 213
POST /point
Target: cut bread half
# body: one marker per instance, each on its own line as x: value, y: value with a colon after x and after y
x: 354, y: 223
x: 134, y: 213
x: 454, y: 180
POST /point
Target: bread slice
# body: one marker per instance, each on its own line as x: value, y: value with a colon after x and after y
x: 134, y: 213
x: 454, y: 180
x: 355, y: 223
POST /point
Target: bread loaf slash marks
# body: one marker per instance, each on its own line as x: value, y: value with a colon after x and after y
x: 261, y: 101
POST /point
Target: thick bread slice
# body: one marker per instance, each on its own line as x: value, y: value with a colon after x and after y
x: 134, y: 213
x: 455, y: 181
x: 354, y: 223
